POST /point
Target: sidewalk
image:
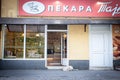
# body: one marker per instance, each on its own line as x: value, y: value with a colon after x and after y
x: 58, y: 75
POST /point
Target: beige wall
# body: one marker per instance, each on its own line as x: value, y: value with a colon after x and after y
x: 9, y: 8
x: 78, y: 43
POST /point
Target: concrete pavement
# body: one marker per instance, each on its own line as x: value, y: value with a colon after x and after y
x: 58, y: 75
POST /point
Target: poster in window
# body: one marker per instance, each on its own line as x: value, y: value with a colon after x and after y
x: 116, y: 42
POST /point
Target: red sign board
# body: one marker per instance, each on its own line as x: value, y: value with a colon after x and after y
x: 70, y: 8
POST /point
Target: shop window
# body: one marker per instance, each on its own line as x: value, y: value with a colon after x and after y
x: 35, y: 41
x: 116, y: 42
x: 15, y: 36
x: 13, y: 41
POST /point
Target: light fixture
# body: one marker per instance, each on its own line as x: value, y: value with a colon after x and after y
x: 23, y: 34
x: 37, y: 35
x: 64, y: 35
x: 5, y: 25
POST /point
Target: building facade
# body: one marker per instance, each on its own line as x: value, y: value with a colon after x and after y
x: 52, y: 34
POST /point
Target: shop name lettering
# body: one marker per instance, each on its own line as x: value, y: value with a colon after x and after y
x: 104, y: 7
x: 66, y: 8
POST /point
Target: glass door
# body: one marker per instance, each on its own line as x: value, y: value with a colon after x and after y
x: 56, y: 48
x: 64, y: 49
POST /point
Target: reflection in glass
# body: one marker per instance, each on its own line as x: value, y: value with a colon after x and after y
x: 13, y: 41
x: 35, y: 41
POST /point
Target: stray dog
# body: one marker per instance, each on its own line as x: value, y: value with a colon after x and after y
x: 68, y: 68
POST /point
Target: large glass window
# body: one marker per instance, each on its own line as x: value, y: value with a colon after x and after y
x: 13, y: 41
x: 35, y: 41
x: 15, y: 36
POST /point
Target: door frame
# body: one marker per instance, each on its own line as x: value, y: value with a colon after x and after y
x: 46, y: 31
x: 111, y: 49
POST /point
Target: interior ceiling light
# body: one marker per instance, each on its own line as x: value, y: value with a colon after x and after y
x: 37, y: 35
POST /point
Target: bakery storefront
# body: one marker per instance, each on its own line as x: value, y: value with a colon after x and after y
x: 52, y: 34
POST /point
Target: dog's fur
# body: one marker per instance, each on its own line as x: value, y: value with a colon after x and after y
x: 68, y: 68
